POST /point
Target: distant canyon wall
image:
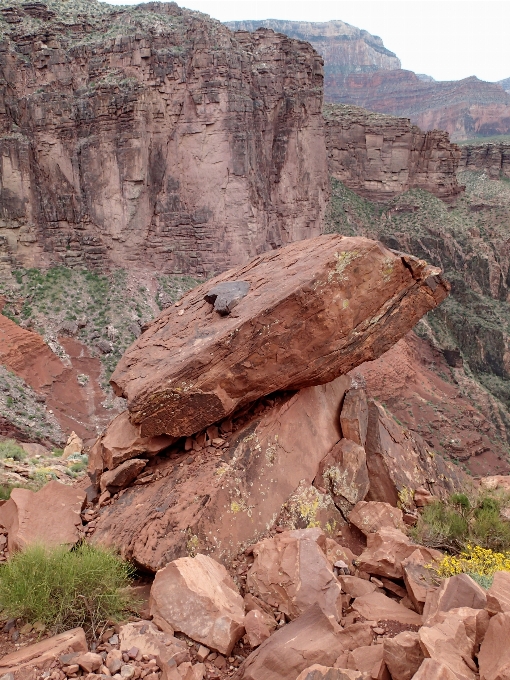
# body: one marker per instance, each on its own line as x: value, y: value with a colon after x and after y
x: 345, y: 48
x: 153, y: 136
x: 463, y: 108
x: 380, y: 156
x: 494, y: 158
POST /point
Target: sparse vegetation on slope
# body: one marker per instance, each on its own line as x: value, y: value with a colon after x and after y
x: 469, y: 241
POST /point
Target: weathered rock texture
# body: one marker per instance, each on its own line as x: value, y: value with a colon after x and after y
x: 380, y: 156
x: 154, y: 135
x: 297, y: 326
x: 219, y: 504
x: 345, y: 48
x: 50, y: 517
x: 493, y: 158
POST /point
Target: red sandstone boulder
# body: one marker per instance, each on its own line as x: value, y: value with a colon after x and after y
x: 403, y: 655
x: 43, y: 653
x: 378, y: 607
x: 449, y: 643
x: 366, y: 659
x: 122, y: 441
x: 221, y: 503
x: 309, y: 639
x: 318, y: 672
x: 371, y: 516
x: 456, y: 591
x: 356, y: 587
x: 434, y: 670
x: 387, y: 549
x: 146, y: 637
x: 314, y: 310
x: 256, y: 627
x: 498, y: 595
x: 196, y: 596
x: 418, y: 579
x: 50, y: 516
x: 476, y: 622
x: 494, y: 656
x: 354, y: 416
x: 343, y: 474
x: 399, y: 462
x: 291, y: 570
x: 122, y: 476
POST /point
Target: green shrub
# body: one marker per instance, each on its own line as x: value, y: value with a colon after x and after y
x: 5, y: 490
x: 64, y: 589
x: 9, y: 449
x: 454, y: 524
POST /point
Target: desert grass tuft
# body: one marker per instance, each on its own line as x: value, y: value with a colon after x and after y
x: 64, y: 589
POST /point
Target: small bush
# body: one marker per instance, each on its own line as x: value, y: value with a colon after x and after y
x: 64, y: 589
x: 5, y: 490
x: 9, y: 449
x: 454, y: 524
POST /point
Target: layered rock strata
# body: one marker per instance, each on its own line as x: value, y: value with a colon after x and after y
x: 314, y: 310
x: 464, y: 108
x: 345, y: 48
x: 492, y: 158
x: 154, y: 136
x: 380, y: 156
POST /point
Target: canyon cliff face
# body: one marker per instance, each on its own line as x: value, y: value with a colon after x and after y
x: 345, y: 48
x: 380, y: 156
x: 465, y: 108
x: 493, y: 158
x: 153, y: 136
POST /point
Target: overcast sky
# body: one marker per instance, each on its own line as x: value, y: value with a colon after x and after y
x: 448, y: 40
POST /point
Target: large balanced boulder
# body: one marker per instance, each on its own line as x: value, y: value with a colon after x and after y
x: 312, y: 311
x: 197, y: 596
x: 50, y: 516
x: 219, y: 504
x: 291, y: 571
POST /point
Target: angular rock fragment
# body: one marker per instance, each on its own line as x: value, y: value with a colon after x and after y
x: 226, y: 295
x: 379, y: 607
x: 196, y: 596
x: 418, y: 579
x: 354, y: 416
x: 399, y: 462
x: 476, y: 622
x: 371, y: 516
x: 456, y: 591
x: 494, y: 656
x: 292, y: 571
x: 50, y: 516
x: 318, y: 672
x: 344, y: 474
x: 312, y: 638
x: 449, y: 643
x: 315, y: 310
x: 122, y: 476
x: 41, y: 654
x: 403, y: 655
x: 209, y: 507
x: 387, y: 549
x: 498, y: 595
x: 122, y: 441
x: 146, y: 637
x: 257, y: 630
x: 356, y: 587
x: 365, y: 658
x: 431, y: 669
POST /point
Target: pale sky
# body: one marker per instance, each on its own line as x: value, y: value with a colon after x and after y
x: 447, y: 40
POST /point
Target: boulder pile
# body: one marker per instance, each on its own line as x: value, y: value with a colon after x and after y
x: 298, y: 616
x: 266, y: 493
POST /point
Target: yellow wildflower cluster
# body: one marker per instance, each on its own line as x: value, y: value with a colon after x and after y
x: 474, y: 560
